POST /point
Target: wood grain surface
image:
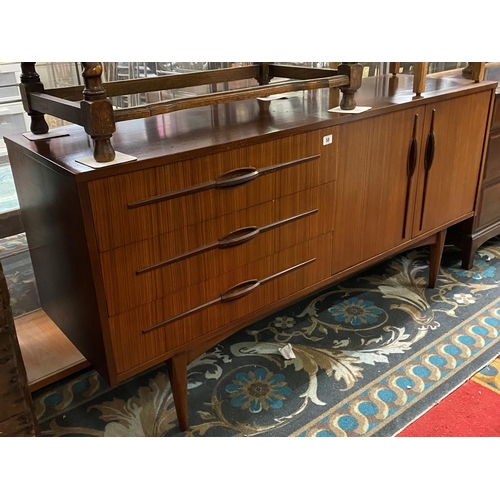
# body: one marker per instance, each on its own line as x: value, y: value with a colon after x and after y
x: 460, y: 130
x: 372, y: 186
x: 133, y: 347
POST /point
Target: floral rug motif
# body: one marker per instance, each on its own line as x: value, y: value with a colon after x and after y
x: 371, y: 354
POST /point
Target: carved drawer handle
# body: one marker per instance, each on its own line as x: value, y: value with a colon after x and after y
x: 236, y: 177
x: 240, y: 290
x: 236, y: 237
x: 229, y: 179
x: 239, y: 236
x: 235, y: 292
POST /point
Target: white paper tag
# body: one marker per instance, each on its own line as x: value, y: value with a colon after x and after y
x: 119, y: 158
x: 274, y: 97
x: 49, y: 135
x: 287, y: 352
x: 357, y: 109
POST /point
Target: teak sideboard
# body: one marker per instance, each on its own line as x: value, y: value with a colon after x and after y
x: 233, y: 211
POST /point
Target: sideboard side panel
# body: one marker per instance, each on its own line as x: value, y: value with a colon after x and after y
x: 53, y: 221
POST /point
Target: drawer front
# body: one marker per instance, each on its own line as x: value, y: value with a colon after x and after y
x: 151, y: 331
x: 490, y: 206
x: 143, y: 204
x: 150, y: 269
x: 492, y: 166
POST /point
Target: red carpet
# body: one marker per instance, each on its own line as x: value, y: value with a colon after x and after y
x: 473, y: 410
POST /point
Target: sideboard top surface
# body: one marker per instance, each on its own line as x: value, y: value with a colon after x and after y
x: 185, y: 134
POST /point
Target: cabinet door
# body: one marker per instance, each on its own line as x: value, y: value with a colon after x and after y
x: 450, y: 160
x: 375, y: 193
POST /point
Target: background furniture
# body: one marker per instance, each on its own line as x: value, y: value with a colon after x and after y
x: 232, y: 211
x: 90, y: 107
x: 485, y: 224
x: 17, y: 415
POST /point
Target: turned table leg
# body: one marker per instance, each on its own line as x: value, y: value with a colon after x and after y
x: 394, y: 68
x: 30, y: 82
x: 435, y: 258
x: 263, y: 78
x: 419, y: 77
x: 355, y: 73
x: 477, y: 71
x: 177, y: 373
x: 97, y: 112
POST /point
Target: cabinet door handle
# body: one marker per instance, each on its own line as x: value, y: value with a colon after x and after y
x: 428, y: 161
x: 410, y: 170
x: 430, y: 145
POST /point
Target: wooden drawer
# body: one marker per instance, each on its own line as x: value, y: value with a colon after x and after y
x: 490, y: 207
x: 492, y: 166
x: 143, y: 204
x: 147, y: 270
x: 150, y: 331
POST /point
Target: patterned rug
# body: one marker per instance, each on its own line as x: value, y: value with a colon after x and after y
x: 18, y: 270
x: 371, y: 355
x: 13, y: 245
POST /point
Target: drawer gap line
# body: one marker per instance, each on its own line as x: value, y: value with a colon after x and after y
x: 226, y: 242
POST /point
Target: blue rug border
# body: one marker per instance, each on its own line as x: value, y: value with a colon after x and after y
x: 413, y: 412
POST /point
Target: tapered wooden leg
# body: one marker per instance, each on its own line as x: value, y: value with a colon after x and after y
x: 177, y: 373
x: 435, y: 259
